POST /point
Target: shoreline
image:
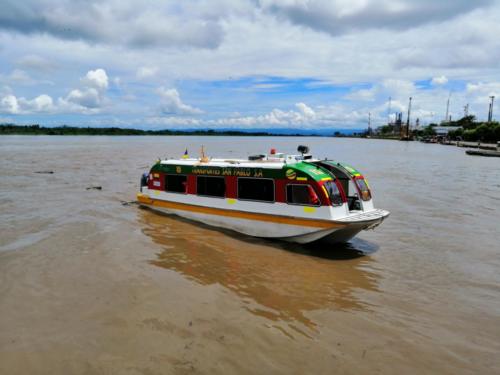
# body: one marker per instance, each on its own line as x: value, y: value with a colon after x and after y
x: 12, y: 129
x: 36, y: 130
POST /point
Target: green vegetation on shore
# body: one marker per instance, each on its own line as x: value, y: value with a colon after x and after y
x: 468, y: 130
x: 472, y: 130
x: 13, y: 129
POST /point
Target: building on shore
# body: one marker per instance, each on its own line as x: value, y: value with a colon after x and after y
x: 442, y: 131
x: 398, y: 123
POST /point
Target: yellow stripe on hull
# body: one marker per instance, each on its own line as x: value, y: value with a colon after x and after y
x: 314, y: 223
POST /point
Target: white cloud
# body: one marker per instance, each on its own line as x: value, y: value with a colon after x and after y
x: 398, y: 86
x: 146, y: 72
x: 117, y: 81
x: 88, y: 99
x: 171, y: 103
x: 397, y: 89
x: 362, y: 95
x: 5, y: 90
x: 97, y: 79
x: 306, y: 111
x: 340, y: 16
x: 6, y: 120
x: 42, y: 103
x: 441, y: 80
x: 21, y: 77
x: 35, y: 63
x: 9, y: 105
x: 115, y: 22
x: 267, y: 86
x: 479, y: 95
x: 484, y: 88
x: 174, y: 121
x: 303, y: 116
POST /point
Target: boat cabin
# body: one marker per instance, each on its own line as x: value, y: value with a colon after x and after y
x: 275, y: 178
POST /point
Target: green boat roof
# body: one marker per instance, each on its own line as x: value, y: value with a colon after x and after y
x: 296, y: 171
x: 353, y: 172
x: 313, y: 171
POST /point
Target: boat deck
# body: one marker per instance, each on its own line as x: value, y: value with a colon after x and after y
x: 365, y: 216
x: 276, y: 163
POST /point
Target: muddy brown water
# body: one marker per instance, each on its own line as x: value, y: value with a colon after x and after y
x: 89, y: 285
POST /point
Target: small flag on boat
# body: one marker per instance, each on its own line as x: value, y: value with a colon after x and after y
x: 186, y: 155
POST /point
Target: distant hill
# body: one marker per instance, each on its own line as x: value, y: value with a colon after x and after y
x: 283, y: 131
x: 36, y: 129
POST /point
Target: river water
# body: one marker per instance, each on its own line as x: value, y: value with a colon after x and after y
x: 92, y: 285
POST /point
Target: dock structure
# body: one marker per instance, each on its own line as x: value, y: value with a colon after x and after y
x: 482, y: 152
x: 478, y: 145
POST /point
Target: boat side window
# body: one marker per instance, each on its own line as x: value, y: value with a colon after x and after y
x: 363, y: 188
x: 302, y: 195
x: 176, y: 183
x: 333, y: 193
x: 256, y: 189
x: 211, y: 186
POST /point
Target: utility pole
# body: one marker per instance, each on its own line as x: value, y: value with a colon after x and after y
x: 466, y: 110
x: 490, y: 112
x: 408, y: 120
x: 447, y: 108
x: 389, y: 111
x: 369, y: 123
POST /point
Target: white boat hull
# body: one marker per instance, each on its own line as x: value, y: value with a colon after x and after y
x: 292, y: 229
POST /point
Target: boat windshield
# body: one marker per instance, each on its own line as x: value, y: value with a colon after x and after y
x: 333, y: 193
x: 363, y: 188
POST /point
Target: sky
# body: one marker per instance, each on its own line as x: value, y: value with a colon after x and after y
x: 246, y: 64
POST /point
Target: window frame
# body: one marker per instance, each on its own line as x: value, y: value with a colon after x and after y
x: 212, y: 196
x: 175, y: 192
x: 254, y: 200
x: 361, y: 195
x: 339, y: 191
x: 302, y: 204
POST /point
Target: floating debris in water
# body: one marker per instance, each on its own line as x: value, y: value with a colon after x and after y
x: 125, y: 203
x: 94, y: 188
x: 44, y: 172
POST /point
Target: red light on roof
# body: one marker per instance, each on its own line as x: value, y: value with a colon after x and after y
x: 273, y: 151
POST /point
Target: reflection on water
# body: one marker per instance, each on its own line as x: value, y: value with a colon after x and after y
x: 275, y: 280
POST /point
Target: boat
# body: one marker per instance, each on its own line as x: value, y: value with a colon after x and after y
x: 295, y: 198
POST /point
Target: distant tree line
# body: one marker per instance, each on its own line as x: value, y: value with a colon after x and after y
x: 469, y: 130
x: 73, y: 130
x: 472, y: 130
